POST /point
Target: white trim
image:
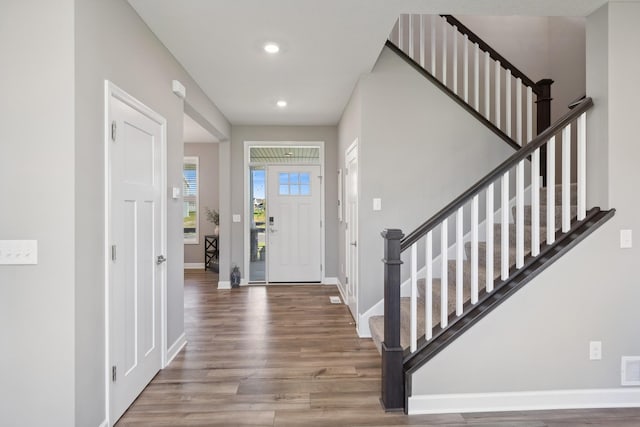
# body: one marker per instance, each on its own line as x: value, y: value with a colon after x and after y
x: 224, y: 284
x: 175, y: 348
x: 194, y: 265
x: 340, y: 287
x: 113, y: 91
x: 246, y: 223
x: 350, y: 152
x: 330, y: 281
x: 104, y: 423
x: 524, y: 401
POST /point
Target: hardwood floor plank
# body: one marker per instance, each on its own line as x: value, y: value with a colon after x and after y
x: 286, y: 356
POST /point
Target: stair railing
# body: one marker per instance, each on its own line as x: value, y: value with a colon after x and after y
x: 476, y: 73
x: 464, y: 215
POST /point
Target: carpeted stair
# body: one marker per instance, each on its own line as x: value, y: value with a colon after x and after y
x: 376, y: 323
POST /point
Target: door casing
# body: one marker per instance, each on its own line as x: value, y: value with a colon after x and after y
x: 112, y: 91
x: 352, y: 264
x: 246, y: 222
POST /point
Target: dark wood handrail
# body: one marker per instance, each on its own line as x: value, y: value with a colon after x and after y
x: 474, y: 38
x: 519, y: 155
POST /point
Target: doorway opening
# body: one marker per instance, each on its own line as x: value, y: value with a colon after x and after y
x: 284, y: 220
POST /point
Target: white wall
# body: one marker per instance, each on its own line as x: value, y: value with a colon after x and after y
x: 36, y: 181
x: 539, y: 339
x: 207, y: 154
x: 134, y: 59
x: 418, y: 151
x: 328, y: 134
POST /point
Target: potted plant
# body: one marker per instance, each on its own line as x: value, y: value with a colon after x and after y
x: 213, y: 217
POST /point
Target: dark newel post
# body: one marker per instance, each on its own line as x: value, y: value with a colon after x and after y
x: 392, y: 372
x: 543, y: 120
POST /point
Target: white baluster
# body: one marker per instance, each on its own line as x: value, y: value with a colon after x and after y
x: 474, y: 249
x: 551, y: 190
x: 444, y: 267
x: 529, y: 115
x: 422, y: 25
x: 476, y: 77
x: 401, y: 32
x: 535, y: 202
x: 411, y: 44
x: 429, y: 286
x: 459, y: 261
x: 520, y: 214
x: 519, y: 111
x: 454, y: 34
x: 582, y: 166
x: 444, y: 52
x: 433, y: 45
x: 487, y: 85
x: 566, y: 178
x: 489, y: 239
x: 497, y: 100
x: 507, y: 107
x: 504, y: 211
x: 465, y: 75
x: 414, y: 297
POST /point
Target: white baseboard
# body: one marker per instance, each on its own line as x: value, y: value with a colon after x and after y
x: 341, y: 290
x: 224, y: 284
x: 176, y: 347
x: 330, y: 281
x: 524, y: 401
x: 194, y: 265
x: 105, y: 423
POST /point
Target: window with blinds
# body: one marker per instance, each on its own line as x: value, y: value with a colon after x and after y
x: 190, y: 199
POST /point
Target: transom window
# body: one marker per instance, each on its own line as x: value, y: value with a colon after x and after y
x: 294, y: 184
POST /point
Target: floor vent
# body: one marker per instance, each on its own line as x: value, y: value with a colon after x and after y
x: 630, y: 370
x: 335, y: 300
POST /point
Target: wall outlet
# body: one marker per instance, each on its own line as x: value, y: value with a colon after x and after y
x: 626, y: 239
x: 595, y: 350
x: 236, y: 218
x: 377, y: 204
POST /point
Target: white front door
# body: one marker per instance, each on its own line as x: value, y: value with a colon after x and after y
x: 135, y: 271
x: 351, y: 233
x: 293, y: 224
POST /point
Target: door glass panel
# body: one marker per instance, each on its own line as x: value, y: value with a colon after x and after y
x: 257, y: 209
x: 305, y: 190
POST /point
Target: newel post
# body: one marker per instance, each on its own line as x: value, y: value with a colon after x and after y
x: 543, y: 120
x: 392, y: 373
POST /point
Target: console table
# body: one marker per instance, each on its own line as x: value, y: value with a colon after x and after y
x: 211, y: 252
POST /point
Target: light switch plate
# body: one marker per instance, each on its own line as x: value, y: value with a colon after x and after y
x: 626, y: 239
x: 236, y: 218
x: 176, y: 193
x: 18, y: 252
x: 377, y: 204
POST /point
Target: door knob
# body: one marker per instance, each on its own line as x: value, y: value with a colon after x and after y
x: 161, y: 259
x: 273, y: 230
x: 354, y: 244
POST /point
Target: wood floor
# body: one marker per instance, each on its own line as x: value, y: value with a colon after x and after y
x: 285, y: 356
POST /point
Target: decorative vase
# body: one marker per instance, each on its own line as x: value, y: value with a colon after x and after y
x: 235, y: 277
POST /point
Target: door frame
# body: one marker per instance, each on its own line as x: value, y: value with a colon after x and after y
x: 349, y: 152
x: 246, y: 255
x: 111, y: 91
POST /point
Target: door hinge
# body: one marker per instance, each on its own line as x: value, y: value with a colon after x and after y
x: 320, y: 223
x: 113, y: 130
x: 346, y: 280
x: 113, y: 373
x: 320, y: 267
x: 113, y: 252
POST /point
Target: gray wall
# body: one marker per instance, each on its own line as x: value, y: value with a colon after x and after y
x: 207, y: 154
x: 134, y: 59
x: 418, y: 151
x: 36, y: 182
x: 328, y: 134
x: 539, y: 339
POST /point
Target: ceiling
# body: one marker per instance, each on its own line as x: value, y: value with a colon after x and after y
x: 325, y: 46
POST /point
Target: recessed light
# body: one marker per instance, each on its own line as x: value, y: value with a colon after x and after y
x: 282, y: 103
x: 271, y: 48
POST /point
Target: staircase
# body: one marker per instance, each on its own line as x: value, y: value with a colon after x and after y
x: 503, y: 231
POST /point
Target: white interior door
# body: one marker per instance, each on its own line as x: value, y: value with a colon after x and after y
x: 136, y: 264
x: 293, y: 224
x: 351, y: 233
